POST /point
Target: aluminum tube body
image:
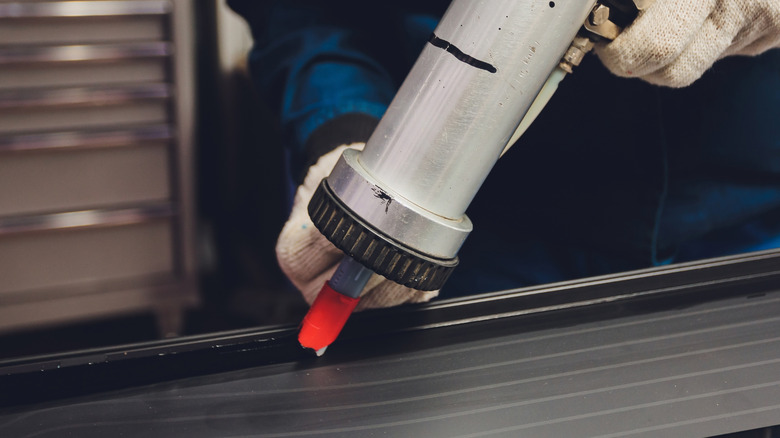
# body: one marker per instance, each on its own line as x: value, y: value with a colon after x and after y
x: 464, y: 97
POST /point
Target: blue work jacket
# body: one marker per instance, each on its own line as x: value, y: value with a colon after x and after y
x: 615, y: 174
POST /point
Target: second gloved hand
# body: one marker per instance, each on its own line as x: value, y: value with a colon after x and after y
x: 674, y: 42
x: 309, y: 259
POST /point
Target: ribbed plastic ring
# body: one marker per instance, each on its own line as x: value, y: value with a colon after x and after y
x: 374, y: 250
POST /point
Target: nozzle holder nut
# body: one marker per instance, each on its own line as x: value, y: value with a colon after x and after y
x: 371, y: 248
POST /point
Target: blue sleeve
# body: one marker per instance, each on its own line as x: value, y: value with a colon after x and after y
x: 314, y: 74
x: 314, y: 63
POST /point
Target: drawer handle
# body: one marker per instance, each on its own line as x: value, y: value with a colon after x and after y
x: 33, y: 98
x: 81, y: 53
x: 86, y: 139
x: 85, y: 219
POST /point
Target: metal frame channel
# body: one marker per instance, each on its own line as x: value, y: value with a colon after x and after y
x: 83, y: 372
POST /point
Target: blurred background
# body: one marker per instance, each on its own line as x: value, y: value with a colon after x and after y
x: 140, y: 180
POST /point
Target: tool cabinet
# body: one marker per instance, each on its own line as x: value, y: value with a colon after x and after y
x: 96, y: 161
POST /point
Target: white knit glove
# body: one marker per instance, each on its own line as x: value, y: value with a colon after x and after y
x: 674, y: 42
x: 309, y: 259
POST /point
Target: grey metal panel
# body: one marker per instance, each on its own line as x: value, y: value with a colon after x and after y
x: 94, y: 95
x: 15, y: 55
x: 703, y: 370
x: 86, y: 139
x: 82, y: 31
x: 79, y: 74
x: 66, y: 258
x: 87, y: 117
x: 98, y: 300
x: 92, y: 8
x: 33, y: 183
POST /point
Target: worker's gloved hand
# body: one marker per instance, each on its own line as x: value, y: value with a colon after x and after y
x: 309, y: 259
x: 674, y: 42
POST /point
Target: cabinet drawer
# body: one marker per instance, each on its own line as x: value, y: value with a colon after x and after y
x: 38, y: 182
x: 69, y: 30
x: 88, y: 73
x: 83, y: 117
x: 50, y: 259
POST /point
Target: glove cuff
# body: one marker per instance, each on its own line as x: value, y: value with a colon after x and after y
x: 344, y: 129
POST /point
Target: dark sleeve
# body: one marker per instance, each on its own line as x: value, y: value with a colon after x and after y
x: 328, y: 70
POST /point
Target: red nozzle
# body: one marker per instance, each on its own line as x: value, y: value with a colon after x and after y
x: 327, y: 316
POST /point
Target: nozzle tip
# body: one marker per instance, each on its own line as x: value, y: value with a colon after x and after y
x: 324, y: 321
x: 321, y: 351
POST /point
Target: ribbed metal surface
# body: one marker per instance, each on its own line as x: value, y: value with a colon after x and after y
x: 705, y: 370
x: 348, y: 234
